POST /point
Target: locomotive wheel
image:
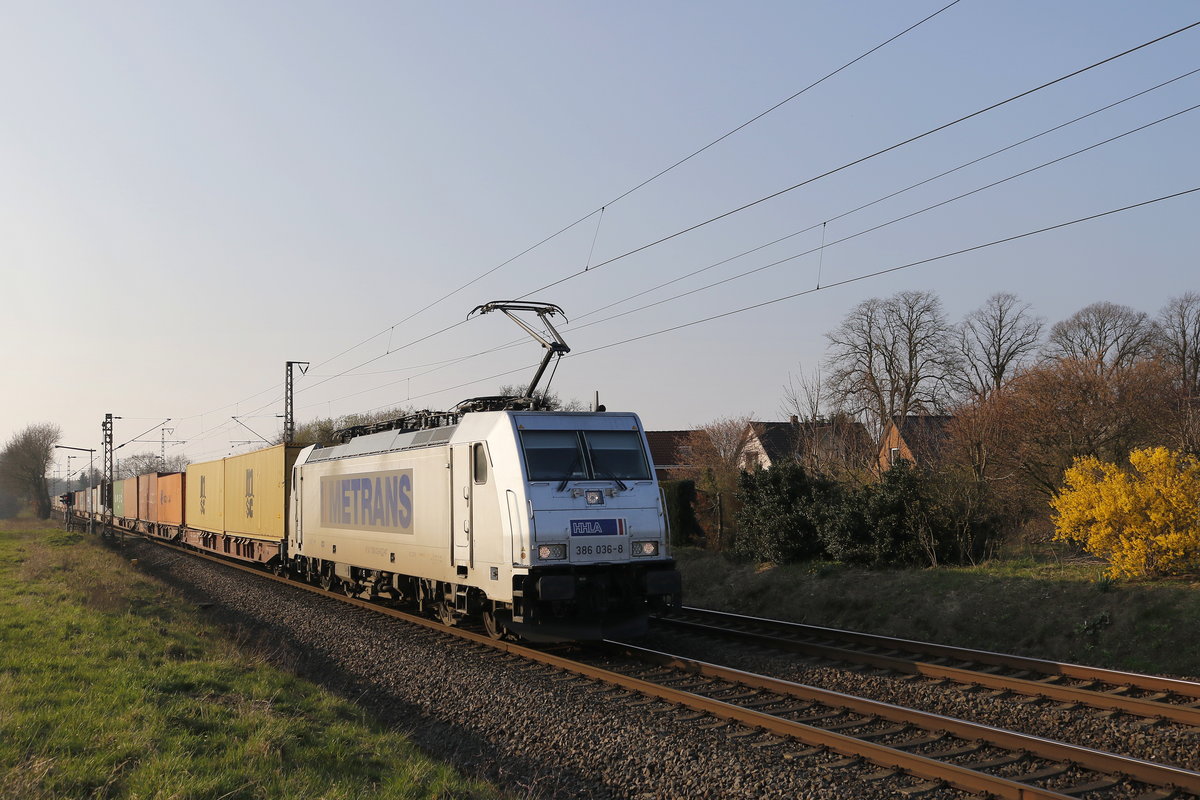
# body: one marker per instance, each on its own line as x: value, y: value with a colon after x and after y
x: 490, y: 625
x: 445, y: 614
x: 328, y: 582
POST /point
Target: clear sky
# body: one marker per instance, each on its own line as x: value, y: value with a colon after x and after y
x: 193, y: 193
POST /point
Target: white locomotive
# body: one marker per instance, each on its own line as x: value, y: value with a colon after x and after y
x: 550, y: 525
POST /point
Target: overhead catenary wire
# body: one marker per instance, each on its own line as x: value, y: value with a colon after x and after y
x: 899, y: 268
x: 824, y: 245
x: 600, y: 209
x: 776, y: 194
x: 861, y: 159
x: 835, y: 284
x: 884, y: 198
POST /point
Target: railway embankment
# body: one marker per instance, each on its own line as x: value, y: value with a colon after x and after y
x: 1043, y: 607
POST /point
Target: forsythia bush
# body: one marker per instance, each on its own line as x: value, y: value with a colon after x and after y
x: 1144, y: 521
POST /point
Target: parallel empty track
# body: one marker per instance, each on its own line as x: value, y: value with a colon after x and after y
x: 1148, y: 696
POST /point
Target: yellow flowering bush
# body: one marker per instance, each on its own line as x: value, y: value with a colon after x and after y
x: 1144, y: 521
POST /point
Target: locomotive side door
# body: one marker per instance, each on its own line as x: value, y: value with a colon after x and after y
x: 461, y: 522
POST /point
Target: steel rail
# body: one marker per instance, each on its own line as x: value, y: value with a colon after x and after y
x: 1096, y: 760
x: 1187, y: 715
x: 952, y: 775
x: 1116, y: 677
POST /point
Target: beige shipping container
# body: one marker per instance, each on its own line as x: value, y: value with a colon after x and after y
x: 170, y: 499
x: 131, y: 498
x: 256, y: 492
x: 205, y: 496
x: 119, y: 498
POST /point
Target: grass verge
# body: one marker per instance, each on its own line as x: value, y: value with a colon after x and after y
x: 1034, y: 606
x: 112, y: 687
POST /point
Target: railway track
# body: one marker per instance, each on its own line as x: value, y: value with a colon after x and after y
x: 1147, y: 696
x: 915, y: 752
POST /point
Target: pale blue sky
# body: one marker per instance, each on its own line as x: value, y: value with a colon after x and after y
x: 193, y: 193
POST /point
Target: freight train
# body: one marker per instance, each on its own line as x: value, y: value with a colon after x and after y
x: 544, y: 525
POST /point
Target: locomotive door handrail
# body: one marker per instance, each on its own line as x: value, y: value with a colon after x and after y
x: 461, y: 521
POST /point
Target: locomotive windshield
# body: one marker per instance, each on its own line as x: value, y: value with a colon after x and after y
x: 584, y: 455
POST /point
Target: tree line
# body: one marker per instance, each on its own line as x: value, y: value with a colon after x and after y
x: 1021, y: 402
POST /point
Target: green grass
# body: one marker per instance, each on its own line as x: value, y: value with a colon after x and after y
x: 1032, y: 604
x: 112, y: 687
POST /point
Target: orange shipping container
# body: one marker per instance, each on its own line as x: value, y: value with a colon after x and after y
x: 170, y: 498
x: 148, y: 497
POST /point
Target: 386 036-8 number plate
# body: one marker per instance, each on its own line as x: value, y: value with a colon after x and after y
x: 598, y: 550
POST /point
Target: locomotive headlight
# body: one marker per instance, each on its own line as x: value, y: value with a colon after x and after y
x: 645, y: 548
x: 552, y: 552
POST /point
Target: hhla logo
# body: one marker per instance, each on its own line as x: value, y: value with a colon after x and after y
x: 250, y: 493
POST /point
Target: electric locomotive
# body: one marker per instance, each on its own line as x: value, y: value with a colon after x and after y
x: 548, y: 525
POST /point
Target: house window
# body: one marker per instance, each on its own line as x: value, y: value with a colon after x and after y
x: 893, y: 456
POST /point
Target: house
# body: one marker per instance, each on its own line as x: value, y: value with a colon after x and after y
x: 815, y: 442
x: 669, y: 451
x: 916, y: 438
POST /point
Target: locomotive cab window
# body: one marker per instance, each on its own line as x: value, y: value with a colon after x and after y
x: 553, y: 455
x: 479, y: 462
x: 584, y: 455
x: 617, y: 454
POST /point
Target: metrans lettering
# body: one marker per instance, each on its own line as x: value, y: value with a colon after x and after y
x: 375, y: 501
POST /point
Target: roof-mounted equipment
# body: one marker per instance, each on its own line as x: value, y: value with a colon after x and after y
x: 557, y: 348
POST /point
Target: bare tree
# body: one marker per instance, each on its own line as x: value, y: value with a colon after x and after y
x: 144, y: 463
x: 24, y: 462
x: 828, y: 441
x: 1179, y: 347
x: 713, y: 456
x: 891, y: 358
x: 550, y: 400
x: 324, y: 430
x: 1179, y: 339
x: 994, y: 341
x: 1107, y: 335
